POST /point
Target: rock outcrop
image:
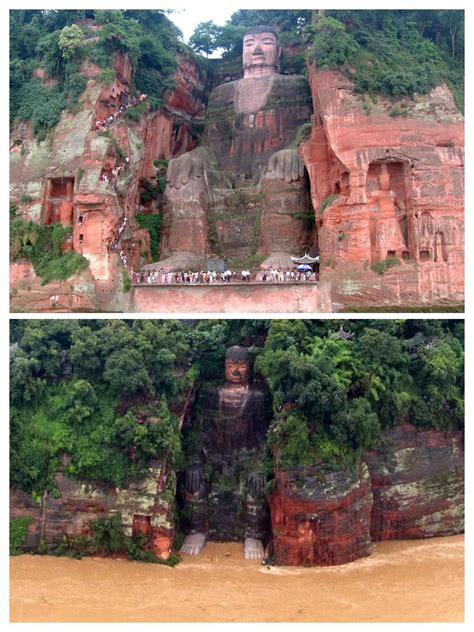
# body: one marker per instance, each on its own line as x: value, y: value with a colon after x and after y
x: 145, y: 507
x: 68, y: 178
x: 385, y: 180
x: 411, y: 487
x: 415, y: 214
x: 417, y: 483
x: 321, y: 518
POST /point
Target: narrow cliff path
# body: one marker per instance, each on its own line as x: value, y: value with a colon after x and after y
x: 402, y: 581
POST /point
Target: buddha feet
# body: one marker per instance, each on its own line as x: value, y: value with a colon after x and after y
x: 193, y: 544
x: 253, y: 549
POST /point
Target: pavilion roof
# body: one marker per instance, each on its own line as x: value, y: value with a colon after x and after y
x: 305, y: 259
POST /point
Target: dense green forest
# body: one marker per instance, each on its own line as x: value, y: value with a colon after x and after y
x: 79, y: 387
x: 390, y: 52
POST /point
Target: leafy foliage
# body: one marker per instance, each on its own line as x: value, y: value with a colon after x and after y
x: 41, y: 104
x: 394, y: 53
x: 41, y: 244
x: 380, y: 267
x: 334, y: 394
x: 18, y: 532
x: 105, y: 392
x: 53, y: 41
x: 153, y: 224
x: 108, y: 538
x: 71, y: 41
x: 68, y: 382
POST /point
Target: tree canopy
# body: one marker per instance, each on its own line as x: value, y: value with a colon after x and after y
x: 105, y: 393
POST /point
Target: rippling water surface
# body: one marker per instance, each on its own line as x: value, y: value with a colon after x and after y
x: 419, y: 580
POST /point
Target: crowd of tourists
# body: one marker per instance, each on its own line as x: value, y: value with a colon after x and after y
x: 111, y: 175
x: 105, y: 123
x: 112, y: 245
x: 160, y: 277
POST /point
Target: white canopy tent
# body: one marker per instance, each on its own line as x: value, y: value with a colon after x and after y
x: 305, y: 259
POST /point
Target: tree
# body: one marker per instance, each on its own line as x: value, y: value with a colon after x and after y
x: 204, y: 38
x: 71, y: 41
x: 24, y: 384
x: 230, y: 38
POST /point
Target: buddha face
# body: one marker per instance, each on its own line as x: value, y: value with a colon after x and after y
x: 237, y: 371
x: 261, y: 53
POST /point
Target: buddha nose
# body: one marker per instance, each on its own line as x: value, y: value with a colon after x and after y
x: 258, y: 50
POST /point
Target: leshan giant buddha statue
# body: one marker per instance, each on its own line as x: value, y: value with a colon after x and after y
x: 245, y: 190
x: 224, y: 487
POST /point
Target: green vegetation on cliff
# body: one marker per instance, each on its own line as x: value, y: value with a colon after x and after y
x: 384, y: 52
x: 42, y: 245
x: 394, y: 53
x: 47, y: 48
x: 98, y: 392
x: 99, y: 399
x: 335, y: 391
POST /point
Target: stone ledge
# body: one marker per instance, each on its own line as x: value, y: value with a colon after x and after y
x: 232, y: 298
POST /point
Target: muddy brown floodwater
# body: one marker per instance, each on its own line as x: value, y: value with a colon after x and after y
x: 420, y: 580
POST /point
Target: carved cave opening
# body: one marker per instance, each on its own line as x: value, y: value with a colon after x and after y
x: 388, y: 195
x: 432, y: 241
x: 141, y: 525
x: 89, y: 232
x: 58, y: 202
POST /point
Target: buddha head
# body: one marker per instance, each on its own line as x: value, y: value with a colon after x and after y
x: 261, y: 52
x: 237, y: 365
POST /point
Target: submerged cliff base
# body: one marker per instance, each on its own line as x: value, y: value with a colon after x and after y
x: 410, y: 488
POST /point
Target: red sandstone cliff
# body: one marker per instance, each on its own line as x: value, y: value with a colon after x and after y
x: 417, y: 484
x: 320, y: 517
x: 62, y: 179
x: 416, y: 215
x: 395, y: 174
x: 145, y: 507
x: 411, y: 487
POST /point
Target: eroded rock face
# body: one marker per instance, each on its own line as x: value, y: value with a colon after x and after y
x: 412, y: 487
x: 321, y: 518
x: 67, y: 178
x: 417, y: 216
x: 395, y: 177
x: 145, y: 507
x: 417, y: 484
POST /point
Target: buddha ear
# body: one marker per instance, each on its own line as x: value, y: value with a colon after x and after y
x: 278, y: 57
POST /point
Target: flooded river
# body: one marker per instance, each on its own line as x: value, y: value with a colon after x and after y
x: 418, y: 580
